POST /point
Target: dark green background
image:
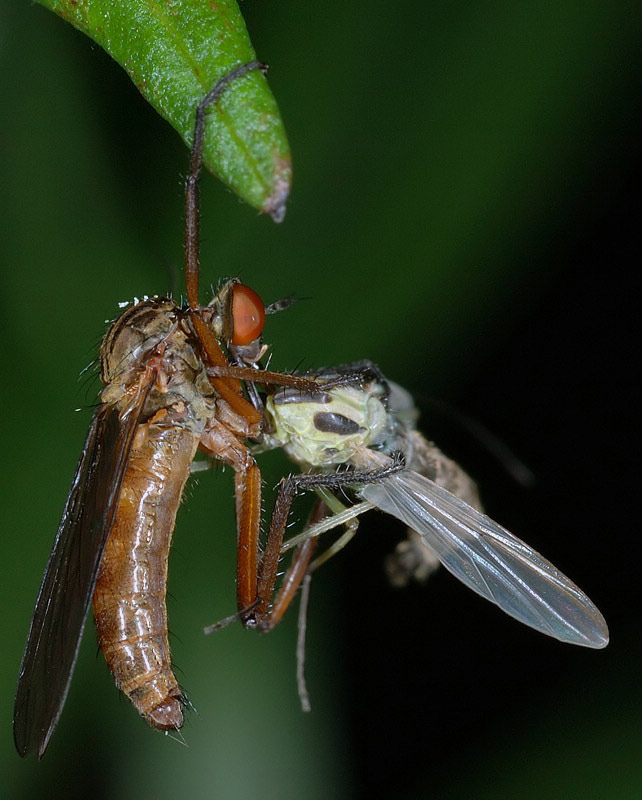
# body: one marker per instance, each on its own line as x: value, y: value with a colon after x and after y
x: 460, y: 214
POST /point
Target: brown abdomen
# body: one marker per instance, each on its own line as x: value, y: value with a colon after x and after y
x: 129, y: 599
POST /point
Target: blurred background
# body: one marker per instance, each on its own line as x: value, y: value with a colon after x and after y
x: 461, y: 214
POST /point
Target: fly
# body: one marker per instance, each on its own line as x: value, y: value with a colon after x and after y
x: 162, y: 400
x: 369, y: 428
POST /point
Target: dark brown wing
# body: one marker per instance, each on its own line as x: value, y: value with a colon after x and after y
x: 70, y: 576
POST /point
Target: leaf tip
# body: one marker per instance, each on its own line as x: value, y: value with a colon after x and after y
x: 276, y: 202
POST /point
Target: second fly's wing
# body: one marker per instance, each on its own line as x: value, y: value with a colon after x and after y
x: 70, y: 576
x: 490, y: 560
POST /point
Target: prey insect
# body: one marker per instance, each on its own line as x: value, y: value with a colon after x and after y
x: 162, y: 400
x: 369, y: 426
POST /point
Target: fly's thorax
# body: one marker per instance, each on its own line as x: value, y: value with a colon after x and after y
x: 132, y: 337
x: 326, y: 427
x: 155, y: 334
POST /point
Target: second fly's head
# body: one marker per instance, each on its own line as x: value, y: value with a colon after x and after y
x: 237, y: 316
x: 326, y: 427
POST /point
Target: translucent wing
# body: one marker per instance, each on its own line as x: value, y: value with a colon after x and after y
x: 70, y: 576
x: 490, y: 560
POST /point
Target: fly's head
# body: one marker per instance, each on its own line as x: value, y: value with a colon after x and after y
x: 236, y: 315
x: 326, y: 427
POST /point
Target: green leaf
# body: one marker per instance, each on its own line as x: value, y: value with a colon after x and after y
x: 175, y: 51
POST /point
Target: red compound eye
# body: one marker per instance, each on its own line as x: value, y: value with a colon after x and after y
x: 248, y: 314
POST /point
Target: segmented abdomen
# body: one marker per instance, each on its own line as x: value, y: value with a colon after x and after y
x: 129, y: 599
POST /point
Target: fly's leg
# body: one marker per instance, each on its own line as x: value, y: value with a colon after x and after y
x: 261, y: 616
x: 315, y: 382
x: 192, y: 195
x: 333, y: 507
x: 248, y: 516
x: 228, y: 388
x: 345, y: 516
x: 302, y: 689
x: 220, y: 443
x: 296, y: 572
x: 265, y: 377
x: 300, y: 566
x: 299, y: 576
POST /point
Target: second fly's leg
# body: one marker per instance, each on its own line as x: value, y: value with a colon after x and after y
x: 325, y: 508
x: 299, y: 573
x: 332, y: 507
x: 261, y: 616
x: 300, y: 566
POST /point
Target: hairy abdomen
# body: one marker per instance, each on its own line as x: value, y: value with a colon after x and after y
x: 129, y: 599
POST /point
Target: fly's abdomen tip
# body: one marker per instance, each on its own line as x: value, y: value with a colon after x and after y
x: 168, y: 716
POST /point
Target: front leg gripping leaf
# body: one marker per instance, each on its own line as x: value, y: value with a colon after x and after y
x: 175, y: 51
